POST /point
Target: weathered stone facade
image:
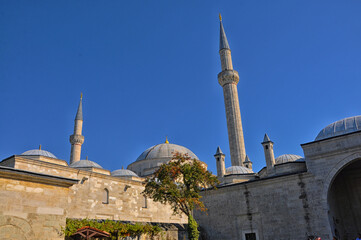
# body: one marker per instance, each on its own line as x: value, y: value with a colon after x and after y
x: 32, y: 206
x: 40, y: 195
x: 293, y: 205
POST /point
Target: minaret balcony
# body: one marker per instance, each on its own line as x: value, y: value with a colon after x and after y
x: 227, y: 77
x: 77, y: 139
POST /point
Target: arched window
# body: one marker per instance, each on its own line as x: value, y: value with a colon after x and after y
x: 105, y: 196
x: 145, y: 202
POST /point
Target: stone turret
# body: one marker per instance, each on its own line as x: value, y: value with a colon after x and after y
x: 221, y: 166
x: 268, y: 153
x: 229, y: 79
x: 248, y: 163
x: 77, y: 139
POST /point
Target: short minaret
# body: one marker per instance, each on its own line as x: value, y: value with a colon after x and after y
x: 221, y: 167
x: 77, y: 139
x: 268, y: 153
x: 229, y: 79
x: 248, y: 163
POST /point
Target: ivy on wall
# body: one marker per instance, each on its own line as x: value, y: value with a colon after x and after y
x: 117, y: 230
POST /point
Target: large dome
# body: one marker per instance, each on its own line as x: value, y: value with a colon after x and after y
x: 288, y: 158
x: 343, y: 126
x: 151, y: 159
x: 39, y: 152
x: 164, y: 150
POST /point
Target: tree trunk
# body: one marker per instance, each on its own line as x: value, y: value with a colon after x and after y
x: 193, y: 233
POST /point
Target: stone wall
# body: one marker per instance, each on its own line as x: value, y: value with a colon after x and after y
x: 290, y: 206
x: 31, y: 210
x: 276, y: 208
x: 44, y: 207
x: 86, y: 200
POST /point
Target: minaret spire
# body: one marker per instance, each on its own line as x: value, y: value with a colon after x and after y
x: 229, y: 79
x: 77, y: 139
x: 223, y: 42
x: 79, y: 113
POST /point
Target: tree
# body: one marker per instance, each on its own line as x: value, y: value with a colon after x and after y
x: 178, y: 184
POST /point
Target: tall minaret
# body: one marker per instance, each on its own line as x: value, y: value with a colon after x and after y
x: 77, y: 139
x: 228, y: 79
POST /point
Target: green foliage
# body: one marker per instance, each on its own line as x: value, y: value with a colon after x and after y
x: 193, y: 233
x: 117, y: 230
x: 178, y: 184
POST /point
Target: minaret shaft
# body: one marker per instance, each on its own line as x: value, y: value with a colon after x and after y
x: 77, y: 139
x: 234, y: 125
x: 75, y: 153
x: 229, y: 79
x: 226, y: 59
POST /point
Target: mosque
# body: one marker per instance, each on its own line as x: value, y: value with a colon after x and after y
x: 292, y: 197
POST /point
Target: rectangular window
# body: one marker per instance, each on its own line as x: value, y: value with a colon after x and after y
x: 145, y: 202
x: 250, y: 236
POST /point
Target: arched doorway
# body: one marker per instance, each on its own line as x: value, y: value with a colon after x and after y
x: 344, y: 201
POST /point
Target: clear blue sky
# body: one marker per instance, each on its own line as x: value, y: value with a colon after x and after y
x: 148, y: 69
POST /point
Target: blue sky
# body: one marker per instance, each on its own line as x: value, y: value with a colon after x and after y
x: 148, y: 69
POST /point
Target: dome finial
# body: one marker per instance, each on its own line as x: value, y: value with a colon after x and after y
x: 86, y: 158
x: 81, y: 95
x: 40, y: 147
x: 166, y: 139
x: 122, y: 167
x: 220, y: 17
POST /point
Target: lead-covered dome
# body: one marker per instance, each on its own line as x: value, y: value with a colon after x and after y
x: 85, y: 164
x: 238, y: 170
x: 288, y: 158
x: 151, y: 159
x: 343, y: 126
x: 39, y: 152
x: 123, y: 173
x: 164, y: 150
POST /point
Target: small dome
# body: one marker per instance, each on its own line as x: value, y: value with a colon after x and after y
x: 288, y: 158
x: 238, y: 170
x: 123, y: 173
x: 38, y: 152
x: 343, y: 126
x: 85, y: 164
x: 165, y: 150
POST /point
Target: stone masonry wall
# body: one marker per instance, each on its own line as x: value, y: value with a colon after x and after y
x: 31, y: 210
x: 277, y: 208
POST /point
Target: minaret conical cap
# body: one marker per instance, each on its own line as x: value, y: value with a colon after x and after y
x: 219, y: 151
x: 266, y: 139
x: 79, y: 113
x: 223, y: 43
